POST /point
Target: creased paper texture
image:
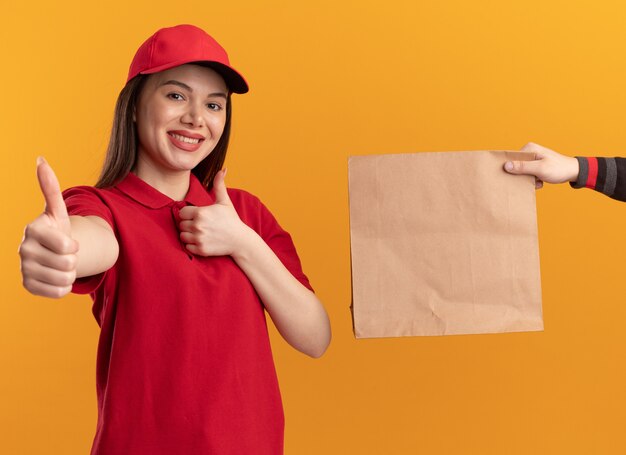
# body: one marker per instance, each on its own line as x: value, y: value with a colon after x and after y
x: 443, y: 243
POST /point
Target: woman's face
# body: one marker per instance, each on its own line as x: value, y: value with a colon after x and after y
x: 180, y: 116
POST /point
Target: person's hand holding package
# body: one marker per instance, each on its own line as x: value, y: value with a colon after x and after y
x: 549, y: 166
x: 603, y: 174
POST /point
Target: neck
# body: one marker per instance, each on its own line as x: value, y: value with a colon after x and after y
x: 175, y: 185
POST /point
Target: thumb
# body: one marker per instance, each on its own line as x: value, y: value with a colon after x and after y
x: 221, y: 194
x: 522, y: 167
x: 55, y: 206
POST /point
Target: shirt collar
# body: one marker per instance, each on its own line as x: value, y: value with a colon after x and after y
x: 152, y: 198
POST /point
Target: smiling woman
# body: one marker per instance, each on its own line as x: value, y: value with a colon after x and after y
x: 181, y: 269
x: 180, y: 117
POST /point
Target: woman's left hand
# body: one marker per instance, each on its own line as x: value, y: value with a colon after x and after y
x: 213, y: 230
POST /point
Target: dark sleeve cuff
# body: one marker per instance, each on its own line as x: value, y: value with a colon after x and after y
x: 602, y: 174
x: 583, y: 173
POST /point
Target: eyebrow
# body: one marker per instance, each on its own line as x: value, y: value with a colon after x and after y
x: 186, y: 87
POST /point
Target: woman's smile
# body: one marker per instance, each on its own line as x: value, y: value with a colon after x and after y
x: 186, y: 141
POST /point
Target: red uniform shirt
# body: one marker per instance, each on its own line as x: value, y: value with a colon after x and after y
x: 184, y: 362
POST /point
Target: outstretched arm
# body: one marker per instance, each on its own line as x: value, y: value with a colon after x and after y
x: 548, y: 166
x: 58, y: 248
x: 603, y: 174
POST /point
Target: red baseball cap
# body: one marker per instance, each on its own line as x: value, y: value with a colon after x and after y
x: 174, y: 46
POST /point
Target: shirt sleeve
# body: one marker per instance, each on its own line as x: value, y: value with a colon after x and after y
x: 86, y: 201
x: 606, y: 175
x: 256, y: 215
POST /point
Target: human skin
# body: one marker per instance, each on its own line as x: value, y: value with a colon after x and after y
x: 548, y: 166
x: 180, y: 117
x: 57, y: 248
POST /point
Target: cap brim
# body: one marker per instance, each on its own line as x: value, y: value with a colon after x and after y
x: 235, y: 81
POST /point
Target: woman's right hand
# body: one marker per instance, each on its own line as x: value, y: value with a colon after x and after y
x: 48, y: 252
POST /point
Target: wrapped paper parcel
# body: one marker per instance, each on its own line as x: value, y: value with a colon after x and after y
x: 443, y: 243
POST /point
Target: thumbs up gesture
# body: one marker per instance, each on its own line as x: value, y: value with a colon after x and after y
x: 48, y: 252
x: 213, y: 230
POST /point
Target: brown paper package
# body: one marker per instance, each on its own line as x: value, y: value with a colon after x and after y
x: 443, y: 243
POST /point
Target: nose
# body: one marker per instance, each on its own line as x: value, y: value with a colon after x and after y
x: 193, y: 116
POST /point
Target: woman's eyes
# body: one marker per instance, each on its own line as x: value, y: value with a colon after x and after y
x: 175, y: 96
x: 214, y: 106
x: 178, y: 97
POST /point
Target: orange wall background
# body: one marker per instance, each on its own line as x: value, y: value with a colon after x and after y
x: 330, y: 79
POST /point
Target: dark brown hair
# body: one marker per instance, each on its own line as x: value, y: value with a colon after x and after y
x: 121, y: 154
